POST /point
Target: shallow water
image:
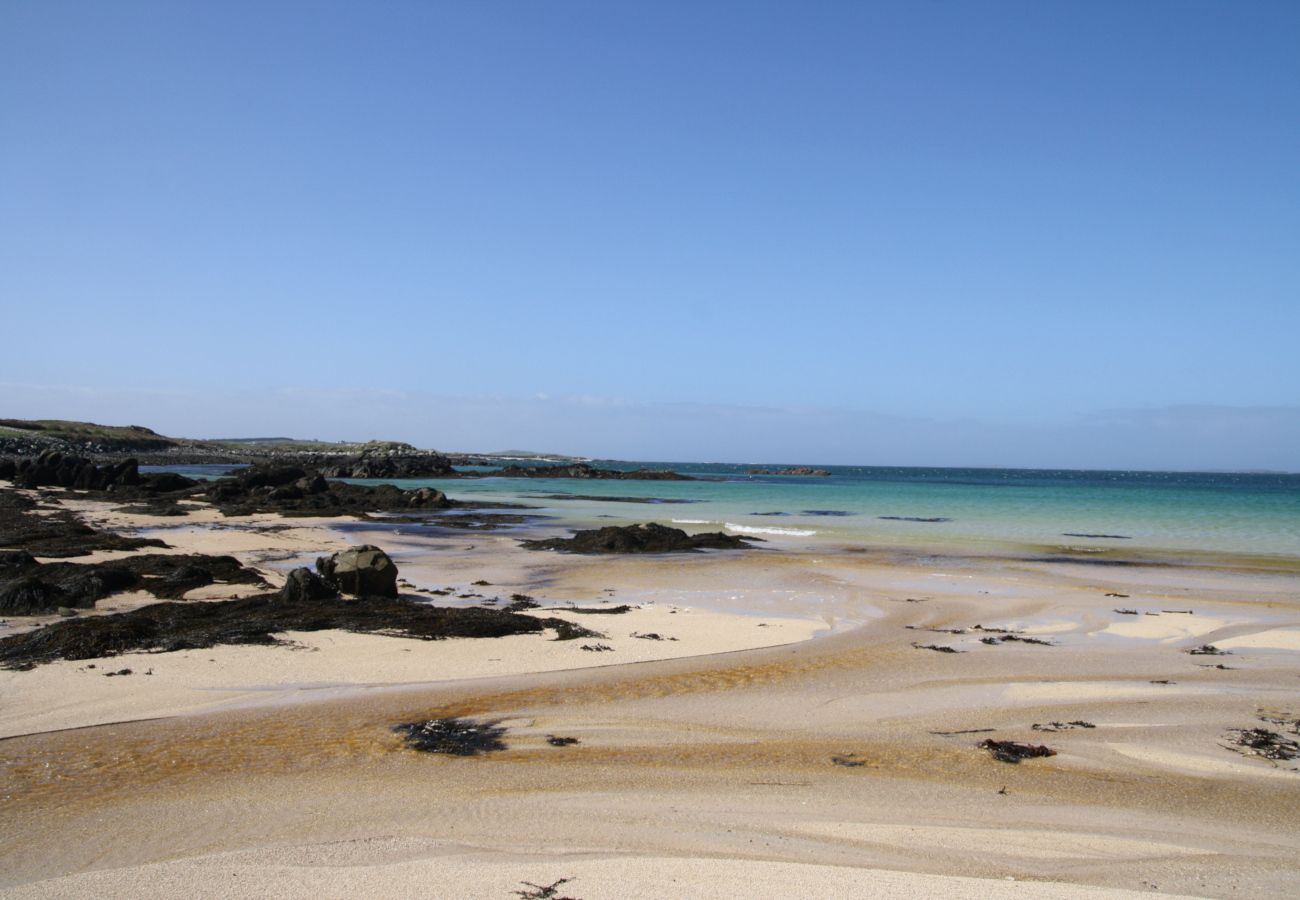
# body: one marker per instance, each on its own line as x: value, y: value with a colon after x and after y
x: 1164, y: 511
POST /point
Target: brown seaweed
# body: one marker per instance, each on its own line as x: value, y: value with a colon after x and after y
x: 1012, y: 752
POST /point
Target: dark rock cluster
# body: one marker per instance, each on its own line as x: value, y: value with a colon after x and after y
x: 28, y: 587
x: 56, y: 469
x: 381, y: 465
x: 364, y: 571
x: 648, y: 538
x: 292, y: 490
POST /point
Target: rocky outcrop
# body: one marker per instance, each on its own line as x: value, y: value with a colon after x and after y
x: 28, y: 587
x: 56, y: 469
x: 364, y: 571
x: 793, y: 470
x: 381, y: 464
x: 582, y: 470
x: 649, y: 538
x: 292, y: 490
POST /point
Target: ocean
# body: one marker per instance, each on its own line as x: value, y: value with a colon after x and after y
x: 1082, y: 511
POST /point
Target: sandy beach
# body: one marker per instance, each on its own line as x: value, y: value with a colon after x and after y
x: 789, y: 731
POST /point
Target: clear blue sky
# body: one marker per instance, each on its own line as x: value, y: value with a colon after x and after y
x: 986, y: 216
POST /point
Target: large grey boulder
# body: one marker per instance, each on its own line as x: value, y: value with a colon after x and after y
x: 360, y: 571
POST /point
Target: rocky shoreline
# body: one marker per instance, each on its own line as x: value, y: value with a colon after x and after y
x: 108, y: 446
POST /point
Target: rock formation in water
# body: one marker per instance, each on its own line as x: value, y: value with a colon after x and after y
x: 649, y: 538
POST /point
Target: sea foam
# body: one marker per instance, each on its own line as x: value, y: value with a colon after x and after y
x: 754, y: 529
x: 693, y: 522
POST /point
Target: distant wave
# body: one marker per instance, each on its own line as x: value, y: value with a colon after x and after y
x: 693, y: 522
x: 753, y: 529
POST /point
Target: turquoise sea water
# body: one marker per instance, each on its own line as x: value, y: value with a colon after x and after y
x: 1256, y: 514
x: 1172, y: 511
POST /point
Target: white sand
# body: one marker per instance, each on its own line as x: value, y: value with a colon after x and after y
x: 1165, y: 627
x: 1010, y: 843
x: 286, y: 874
x: 73, y: 694
x: 1270, y: 639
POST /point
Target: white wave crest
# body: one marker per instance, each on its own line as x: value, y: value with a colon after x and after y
x: 694, y: 522
x: 753, y: 529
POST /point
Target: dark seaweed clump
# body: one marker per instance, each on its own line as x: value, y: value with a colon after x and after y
x: 1263, y: 742
x: 58, y: 533
x: 253, y: 620
x: 1012, y: 752
x: 648, y: 538
x: 455, y: 737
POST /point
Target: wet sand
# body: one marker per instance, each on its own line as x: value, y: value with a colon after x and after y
x: 704, y: 775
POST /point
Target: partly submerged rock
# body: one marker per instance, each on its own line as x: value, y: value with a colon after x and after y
x: 648, y: 538
x: 292, y: 490
x: 361, y: 571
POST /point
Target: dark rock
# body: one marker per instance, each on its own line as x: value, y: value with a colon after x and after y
x: 305, y: 585
x: 427, y: 498
x: 364, y: 571
x: 389, y: 461
x: 648, y: 538
x: 80, y: 586
x: 55, y: 469
x: 312, y: 484
x: 294, y: 491
x: 166, y: 482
